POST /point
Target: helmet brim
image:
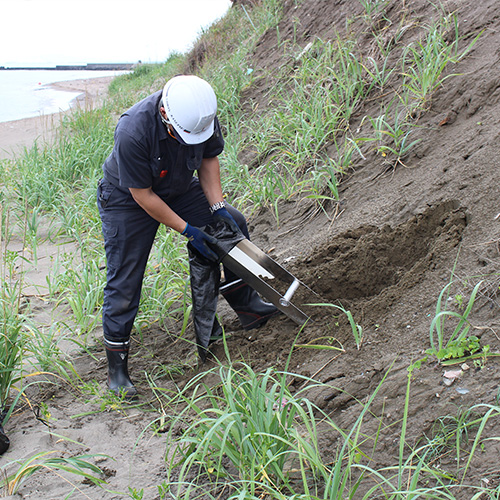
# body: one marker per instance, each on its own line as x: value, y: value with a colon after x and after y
x: 190, y: 139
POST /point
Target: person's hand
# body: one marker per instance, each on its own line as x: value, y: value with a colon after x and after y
x: 200, y: 240
x: 223, y: 214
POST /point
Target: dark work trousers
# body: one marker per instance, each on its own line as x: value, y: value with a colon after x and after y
x: 129, y: 233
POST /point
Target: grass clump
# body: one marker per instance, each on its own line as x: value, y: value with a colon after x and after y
x: 249, y: 437
x: 425, y: 62
x: 11, y: 351
x: 12, y: 339
x: 452, y: 342
x: 78, y: 466
x: 249, y: 428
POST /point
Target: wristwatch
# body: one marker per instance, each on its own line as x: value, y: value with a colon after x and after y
x: 217, y: 206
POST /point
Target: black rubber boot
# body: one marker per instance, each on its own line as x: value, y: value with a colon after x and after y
x: 4, y: 441
x: 252, y: 311
x: 118, y: 378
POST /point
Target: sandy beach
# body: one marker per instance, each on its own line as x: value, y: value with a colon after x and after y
x: 19, y: 134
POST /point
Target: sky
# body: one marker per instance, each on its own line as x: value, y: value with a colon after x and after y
x: 54, y: 32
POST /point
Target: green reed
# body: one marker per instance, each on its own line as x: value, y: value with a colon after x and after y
x: 11, y: 317
x: 425, y: 61
x: 42, y: 461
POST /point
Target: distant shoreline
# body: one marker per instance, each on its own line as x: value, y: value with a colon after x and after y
x: 87, y: 67
x: 16, y: 135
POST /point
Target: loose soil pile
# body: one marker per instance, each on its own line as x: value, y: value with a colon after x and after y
x: 385, y: 253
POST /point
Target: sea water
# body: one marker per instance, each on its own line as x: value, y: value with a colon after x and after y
x: 27, y: 93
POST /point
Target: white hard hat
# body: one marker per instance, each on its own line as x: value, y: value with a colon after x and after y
x: 191, y: 105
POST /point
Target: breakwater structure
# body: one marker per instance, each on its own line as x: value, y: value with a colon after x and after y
x: 86, y: 67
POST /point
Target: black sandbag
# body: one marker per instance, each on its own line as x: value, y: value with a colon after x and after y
x: 205, y: 279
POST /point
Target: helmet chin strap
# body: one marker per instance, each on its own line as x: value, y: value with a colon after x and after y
x: 164, y: 120
x: 167, y: 123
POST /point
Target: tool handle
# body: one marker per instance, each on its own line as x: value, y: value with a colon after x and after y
x: 285, y: 300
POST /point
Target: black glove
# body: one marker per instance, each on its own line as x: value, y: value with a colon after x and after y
x: 199, y: 240
x: 223, y: 214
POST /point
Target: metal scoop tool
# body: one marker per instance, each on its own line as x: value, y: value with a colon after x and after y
x: 253, y: 266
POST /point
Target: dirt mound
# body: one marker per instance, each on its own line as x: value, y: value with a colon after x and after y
x: 387, y: 256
